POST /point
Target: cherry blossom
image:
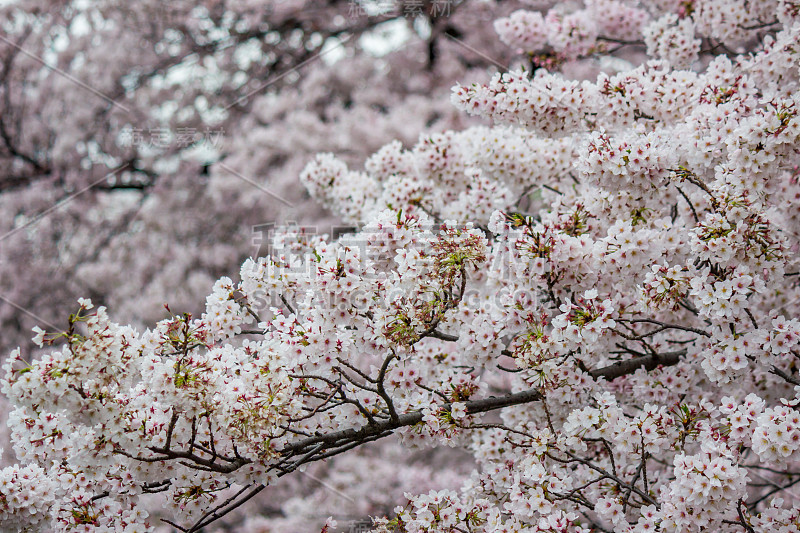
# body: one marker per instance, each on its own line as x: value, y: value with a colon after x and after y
x: 594, y: 296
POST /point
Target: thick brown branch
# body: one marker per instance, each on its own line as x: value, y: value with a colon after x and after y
x: 629, y: 366
x: 409, y: 419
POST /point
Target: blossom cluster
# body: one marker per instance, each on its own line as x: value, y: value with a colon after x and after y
x: 575, y: 33
x: 597, y: 298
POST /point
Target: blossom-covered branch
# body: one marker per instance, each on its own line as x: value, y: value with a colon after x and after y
x: 596, y: 298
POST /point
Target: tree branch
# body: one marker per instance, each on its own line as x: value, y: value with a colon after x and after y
x: 629, y: 366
